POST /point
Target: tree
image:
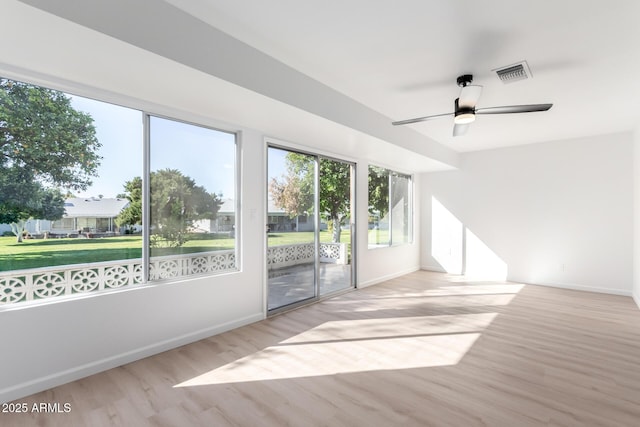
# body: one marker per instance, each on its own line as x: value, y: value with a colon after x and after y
x: 24, y: 198
x: 378, y: 191
x: 45, y: 144
x: 335, y: 195
x: 176, y: 203
x: 132, y: 214
x: 294, y: 191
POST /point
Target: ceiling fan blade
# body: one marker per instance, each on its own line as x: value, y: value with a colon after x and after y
x: 420, y: 119
x: 508, y: 109
x: 459, y: 130
x: 469, y: 96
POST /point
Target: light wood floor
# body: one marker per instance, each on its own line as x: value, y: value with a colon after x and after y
x: 423, y: 350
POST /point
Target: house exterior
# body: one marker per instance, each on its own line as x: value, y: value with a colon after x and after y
x: 277, y: 220
x: 97, y: 215
x: 223, y: 223
x: 89, y: 215
x: 82, y: 215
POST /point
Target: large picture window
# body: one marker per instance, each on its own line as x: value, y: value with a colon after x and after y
x: 192, y: 199
x: 79, y: 212
x: 390, y: 209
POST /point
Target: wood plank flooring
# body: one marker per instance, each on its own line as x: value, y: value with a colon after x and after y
x: 425, y: 349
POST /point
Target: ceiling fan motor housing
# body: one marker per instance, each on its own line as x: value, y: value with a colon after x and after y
x: 463, y: 115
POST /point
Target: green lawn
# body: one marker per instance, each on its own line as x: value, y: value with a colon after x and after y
x: 276, y: 239
x: 51, y: 252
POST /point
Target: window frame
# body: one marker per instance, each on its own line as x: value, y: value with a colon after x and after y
x: 146, y: 198
x: 410, y: 203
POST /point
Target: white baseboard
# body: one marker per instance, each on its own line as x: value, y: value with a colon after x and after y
x: 435, y: 268
x: 575, y: 287
x: 572, y: 286
x: 39, y: 384
x: 387, y: 277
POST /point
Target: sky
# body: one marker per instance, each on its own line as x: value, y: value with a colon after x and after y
x: 276, y: 162
x: 205, y: 155
x: 119, y: 130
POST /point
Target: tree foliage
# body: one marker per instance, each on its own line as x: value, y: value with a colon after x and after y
x: 132, y: 214
x: 41, y: 131
x: 23, y: 198
x: 378, y: 191
x: 288, y: 195
x: 335, y: 195
x: 176, y: 203
x: 294, y: 192
x: 45, y: 145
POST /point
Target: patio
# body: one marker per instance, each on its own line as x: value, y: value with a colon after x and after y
x: 288, y: 285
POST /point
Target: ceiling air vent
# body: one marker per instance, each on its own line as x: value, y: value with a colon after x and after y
x: 514, y: 72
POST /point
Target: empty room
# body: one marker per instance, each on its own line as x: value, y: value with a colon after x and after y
x: 356, y: 213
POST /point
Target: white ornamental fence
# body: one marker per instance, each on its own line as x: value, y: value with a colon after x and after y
x: 40, y: 283
x: 289, y: 255
x: 172, y: 266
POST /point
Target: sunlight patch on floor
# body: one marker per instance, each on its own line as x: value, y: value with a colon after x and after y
x: 348, y: 346
x: 447, y: 298
x: 478, y: 289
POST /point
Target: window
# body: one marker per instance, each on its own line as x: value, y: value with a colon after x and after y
x: 400, y: 208
x: 63, y: 224
x: 390, y: 209
x: 192, y: 199
x: 73, y: 216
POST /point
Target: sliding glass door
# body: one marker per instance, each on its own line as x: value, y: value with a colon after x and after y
x: 309, y: 227
x: 336, y: 228
x: 291, y: 228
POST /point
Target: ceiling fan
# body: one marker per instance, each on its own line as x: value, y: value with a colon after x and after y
x: 465, y: 107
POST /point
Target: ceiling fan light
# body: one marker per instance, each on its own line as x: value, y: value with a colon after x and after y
x: 464, y: 118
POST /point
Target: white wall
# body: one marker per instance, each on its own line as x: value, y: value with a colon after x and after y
x: 557, y: 213
x: 636, y: 216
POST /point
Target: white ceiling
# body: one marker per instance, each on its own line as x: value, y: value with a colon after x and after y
x: 334, y: 74
x: 402, y: 58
